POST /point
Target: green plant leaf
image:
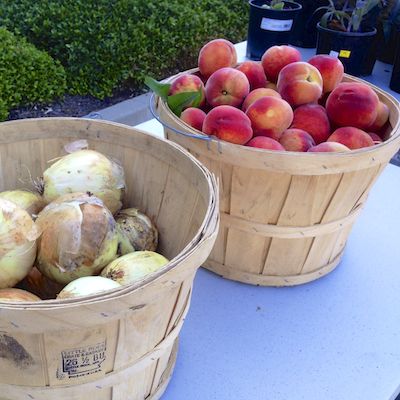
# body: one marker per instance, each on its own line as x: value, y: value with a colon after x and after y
x: 278, y: 6
x: 177, y: 102
x: 160, y: 89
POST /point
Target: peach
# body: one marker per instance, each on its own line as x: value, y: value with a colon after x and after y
x: 194, y: 117
x: 352, y: 104
x: 375, y: 137
x: 277, y: 57
x: 227, y: 86
x: 255, y: 74
x: 313, y: 119
x: 296, y: 140
x: 300, y: 83
x: 381, y: 118
x: 270, y: 116
x: 216, y: 54
x: 328, y: 147
x: 257, y: 94
x: 331, y: 69
x: 228, y: 123
x: 351, y: 137
x: 188, y: 83
x: 264, y: 142
x: 271, y: 85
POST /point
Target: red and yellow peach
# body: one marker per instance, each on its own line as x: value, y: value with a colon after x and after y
x: 351, y: 137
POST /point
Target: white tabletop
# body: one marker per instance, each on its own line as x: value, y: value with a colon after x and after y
x: 337, y: 338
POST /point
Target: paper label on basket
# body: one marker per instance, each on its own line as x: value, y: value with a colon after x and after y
x: 82, y: 361
x: 334, y: 53
x: 345, y: 53
x: 276, y: 25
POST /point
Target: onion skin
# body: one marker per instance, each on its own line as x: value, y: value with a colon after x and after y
x: 134, y: 267
x: 31, y: 202
x: 18, y: 234
x: 86, y: 171
x: 79, y: 238
x: 86, y: 286
x: 137, y: 231
x: 17, y: 295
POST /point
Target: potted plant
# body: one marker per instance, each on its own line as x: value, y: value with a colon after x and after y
x: 270, y: 23
x: 347, y: 30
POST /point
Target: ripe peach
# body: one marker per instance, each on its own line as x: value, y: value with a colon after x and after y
x: 264, y: 142
x: 257, y: 94
x: 352, y: 104
x: 270, y: 116
x: 188, y: 83
x: 300, y: 83
x: 194, y: 117
x: 216, y: 54
x: 296, y: 140
x: 313, y: 119
x: 375, y: 137
x: 381, y: 118
x: 271, y: 85
x: 227, y: 86
x: 328, y: 147
x: 277, y: 57
x: 331, y: 69
x: 228, y: 123
x: 255, y: 74
x: 351, y: 137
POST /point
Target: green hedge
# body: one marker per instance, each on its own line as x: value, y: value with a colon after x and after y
x: 104, y: 44
x: 27, y: 75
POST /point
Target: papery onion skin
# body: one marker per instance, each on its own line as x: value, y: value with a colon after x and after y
x: 31, y: 202
x: 79, y: 238
x: 17, y: 295
x: 86, y: 171
x: 86, y: 286
x: 138, y: 229
x: 18, y: 234
x: 134, y: 267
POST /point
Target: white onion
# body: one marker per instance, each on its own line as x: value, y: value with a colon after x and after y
x: 86, y: 171
x: 134, y: 266
x: 86, y: 286
x: 18, y: 234
x: 16, y: 295
x: 137, y: 231
x: 31, y: 202
x: 79, y: 238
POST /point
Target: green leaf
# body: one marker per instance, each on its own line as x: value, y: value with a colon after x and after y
x: 278, y: 6
x: 160, y: 89
x: 177, y: 102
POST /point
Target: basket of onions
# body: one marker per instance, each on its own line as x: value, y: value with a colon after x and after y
x: 103, y: 228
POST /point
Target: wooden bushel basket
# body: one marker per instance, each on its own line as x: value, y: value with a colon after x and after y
x: 285, y: 216
x: 120, y: 345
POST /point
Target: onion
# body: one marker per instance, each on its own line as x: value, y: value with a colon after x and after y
x: 85, y: 171
x: 134, y: 266
x: 86, y: 286
x: 18, y: 234
x: 31, y: 202
x: 13, y: 294
x: 79, y: 238
x: 137, y: 231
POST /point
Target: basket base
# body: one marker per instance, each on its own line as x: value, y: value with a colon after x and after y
x: 270, y: 280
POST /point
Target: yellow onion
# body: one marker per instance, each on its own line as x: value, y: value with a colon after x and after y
x: 17, y: 295
x: 86, y: 171
x: 33, y: 203
x: 136, y: 230
x: 133, y: 267
x: 18, y: 234
x: 79, y: 238
x: 86, y: 286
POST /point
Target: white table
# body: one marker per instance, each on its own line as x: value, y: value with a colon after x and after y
x: 337, y: 338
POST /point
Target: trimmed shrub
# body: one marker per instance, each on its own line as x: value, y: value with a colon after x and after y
x: 27, y: 75
x: 104, y: 44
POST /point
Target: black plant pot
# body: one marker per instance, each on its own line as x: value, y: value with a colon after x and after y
x: 305, y: 25
x: 395, y: 79
x: 269, y: 27
x: 356, y: 50
x: 387, y: 46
